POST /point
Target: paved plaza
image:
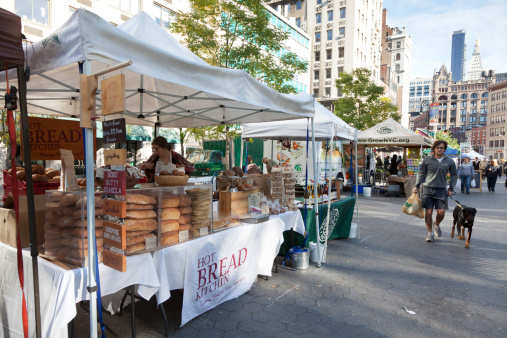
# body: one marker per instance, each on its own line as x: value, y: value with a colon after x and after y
x: 388, y: 283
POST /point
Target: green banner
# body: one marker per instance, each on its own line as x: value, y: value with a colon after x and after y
x: 340, y: 220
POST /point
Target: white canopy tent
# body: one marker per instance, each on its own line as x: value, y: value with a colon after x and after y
x: 473, y: 154
x: 327, y: 126
x: 166, y: 85
x: 391, y: 132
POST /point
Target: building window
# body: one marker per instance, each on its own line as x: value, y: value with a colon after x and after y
x: 318, y: 18
x: 343, y: 13
x: 328, y: 73
x: 329, y: 54
x: 485, y: 94
x: 33, y: 10
x: 398, y: 44
x: 317, y: 56
x: 316, y: 75
x: 330, y: 34
x: 298, y: 4
x: 341, y: 31
x: 341, y: 52
x: 397, y: 68
x: 463, y: 96
x: 317, y: 36
x: 124, y: 5
x: 298, y: 22
x: 398, y: 56
x: 340, y: 70
x: 164, y: 17
x: 328, y: 91
x: 330, y: 15
x: 316, y: 92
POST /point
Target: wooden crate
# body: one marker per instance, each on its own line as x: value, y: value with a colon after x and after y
x: 8, y: 222
x: 233, y: 203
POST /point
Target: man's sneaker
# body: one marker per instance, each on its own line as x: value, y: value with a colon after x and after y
x: 429, y: 238
x: 436, y: 231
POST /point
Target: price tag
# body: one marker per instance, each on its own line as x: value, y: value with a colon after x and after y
x: 115, y: 157
x: 115, y: 235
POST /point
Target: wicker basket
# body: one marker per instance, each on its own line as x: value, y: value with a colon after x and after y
x: 168, y: 180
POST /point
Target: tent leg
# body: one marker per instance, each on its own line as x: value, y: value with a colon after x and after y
x: 272, y: 150
x: 34, y: 252
x: 357, y: 182
x: 316, y: 194
x: 90, y: 213
x: 241, y: 155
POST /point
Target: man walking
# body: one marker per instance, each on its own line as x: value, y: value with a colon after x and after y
x: 433, y: 178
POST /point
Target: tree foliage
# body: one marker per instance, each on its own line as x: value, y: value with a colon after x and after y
x: 445, y: 136
x: 236, y: 34
x: 363, y: 104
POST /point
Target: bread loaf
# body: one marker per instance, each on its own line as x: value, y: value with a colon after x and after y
x: 169, y: 213
x: 169, y: 225
x: 169, y: 238
x: 185, y: 227
x: 140, y: 199
x: 185, y: 219
x: 169, y: 201
x: 186, y: 211
x: 137, y: 239
x: 149, y: 224
x: 83, y: 232
x: 132, y: 234
x: 68, y: 200
x: 185, y: 201
x: 141, y: 214
x: 40, y: 178
x: 139, y: 206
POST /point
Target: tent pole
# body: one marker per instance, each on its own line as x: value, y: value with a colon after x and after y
x: 316, y: 194
x: 357, y: 182
x: 90, y: 215
x: 272, y: 150
x: 241, y: 156
x: 34, y: 252
x: 327, y: 181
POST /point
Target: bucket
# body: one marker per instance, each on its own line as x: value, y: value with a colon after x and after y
x: 299, y: 258
x: 367, y: 191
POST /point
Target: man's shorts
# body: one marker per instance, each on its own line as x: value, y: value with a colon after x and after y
x: 434, y: 198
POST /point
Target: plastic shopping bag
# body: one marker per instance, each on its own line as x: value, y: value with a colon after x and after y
x: 413, y: 206
x: 473, y: 183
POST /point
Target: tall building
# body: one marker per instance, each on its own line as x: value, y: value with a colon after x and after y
x: 475, y: 71
x: 461, y: 104
x: 420, y: 94
x: 496, y: 142
x: 387, y: 74
x: 458, y: 56
x: 477, y: 139
x: 344, y: 34
x: 501, y: 77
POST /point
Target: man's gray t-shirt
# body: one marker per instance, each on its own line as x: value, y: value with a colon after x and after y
x: 433, y: 173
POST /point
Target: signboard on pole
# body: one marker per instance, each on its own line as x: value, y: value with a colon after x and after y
x: 114, y: 131
x: 434, y: 107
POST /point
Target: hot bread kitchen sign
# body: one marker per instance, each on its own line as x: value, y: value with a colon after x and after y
x: 222, y: 269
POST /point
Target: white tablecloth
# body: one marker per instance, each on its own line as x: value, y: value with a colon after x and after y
x: 61, y: 289
x: 170, y: 261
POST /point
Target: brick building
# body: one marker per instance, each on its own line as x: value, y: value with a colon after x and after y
x: 477, y: 138
x: 497, y: 122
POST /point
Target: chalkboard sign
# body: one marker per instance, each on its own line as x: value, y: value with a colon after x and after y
x: 114, y: 131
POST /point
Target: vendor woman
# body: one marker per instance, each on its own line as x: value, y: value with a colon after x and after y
x: 164, y: 159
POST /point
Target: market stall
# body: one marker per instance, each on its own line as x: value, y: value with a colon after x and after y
x: 390, y: 133
x: 327, y: 127
x: 164, y: 86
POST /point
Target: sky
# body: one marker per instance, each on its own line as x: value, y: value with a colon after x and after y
x: 431, y: 23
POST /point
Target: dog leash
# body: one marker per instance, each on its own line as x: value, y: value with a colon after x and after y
x: 457, y: 202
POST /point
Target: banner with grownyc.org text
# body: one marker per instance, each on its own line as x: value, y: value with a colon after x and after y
x: 222, y: 268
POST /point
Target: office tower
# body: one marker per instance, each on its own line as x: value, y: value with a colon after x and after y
x: 458, y: 56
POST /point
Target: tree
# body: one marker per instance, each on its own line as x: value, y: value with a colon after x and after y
x: 363, y: 104
x: 236, y: 34
x: 445, y: 136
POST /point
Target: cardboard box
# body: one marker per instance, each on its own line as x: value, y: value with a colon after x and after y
x: 8, y: 222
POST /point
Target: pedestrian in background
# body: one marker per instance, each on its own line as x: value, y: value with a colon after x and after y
x: 476, y: 163
x: 433, y: 178
x: 465, y: 174
x: 491, y: 172
x: 393, y: 168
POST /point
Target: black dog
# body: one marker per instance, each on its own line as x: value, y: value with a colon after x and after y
x: 463, y: 218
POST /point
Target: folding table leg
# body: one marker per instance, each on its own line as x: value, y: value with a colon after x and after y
x: 164, y: 319
x: 133, y: 310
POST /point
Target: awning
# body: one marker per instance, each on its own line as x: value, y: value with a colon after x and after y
x: 392, y: 133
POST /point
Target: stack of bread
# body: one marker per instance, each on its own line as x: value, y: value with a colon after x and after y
x: 289, y: 183
x: 201, y: 209
x: 39, y: 174
x: 277, y: 191
x: 65, y: 228
x: 173, y: 216
x: 141, y: 221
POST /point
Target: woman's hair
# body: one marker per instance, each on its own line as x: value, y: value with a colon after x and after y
x: 437, y: 143
x: 161, y: 142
